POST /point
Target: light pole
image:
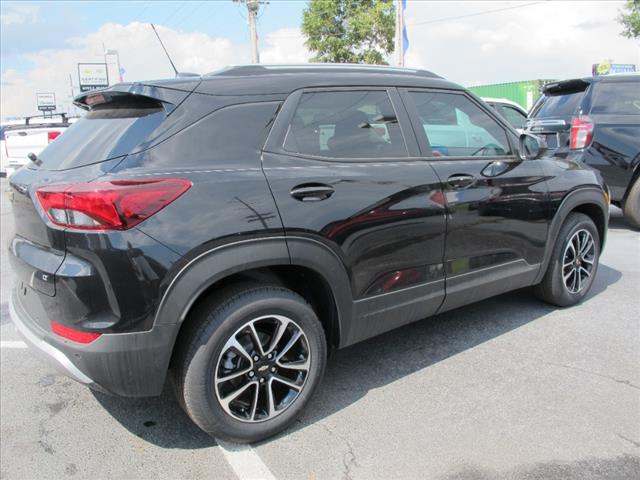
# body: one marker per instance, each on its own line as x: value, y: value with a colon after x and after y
x: 114, y: 52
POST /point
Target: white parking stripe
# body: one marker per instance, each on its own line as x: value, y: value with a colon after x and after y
x: 9, y: 344
x: 245, y: 462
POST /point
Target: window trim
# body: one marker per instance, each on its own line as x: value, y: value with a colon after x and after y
x: 423, y: 140
x: 277, y: 136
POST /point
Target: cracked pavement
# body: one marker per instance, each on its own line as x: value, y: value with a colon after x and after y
x: 508, y: 388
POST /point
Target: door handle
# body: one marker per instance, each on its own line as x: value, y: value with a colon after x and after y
x: 312, y: 192
x: 459, y: 181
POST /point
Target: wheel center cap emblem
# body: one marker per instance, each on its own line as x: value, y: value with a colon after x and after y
x: 263, y: 368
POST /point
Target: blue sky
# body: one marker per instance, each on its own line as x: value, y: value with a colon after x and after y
x: 56, y: 22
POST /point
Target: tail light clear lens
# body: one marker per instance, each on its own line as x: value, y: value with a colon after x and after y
x: 581, y: 132
x: 113, y: 205
x: 72, y: 334
x: 51, y: 136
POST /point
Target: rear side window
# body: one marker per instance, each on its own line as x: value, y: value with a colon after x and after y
x: 455, y: 126
x: 617, y: 98
x: 560, y: 105
x: 353, y: 124
x: 107, y: 132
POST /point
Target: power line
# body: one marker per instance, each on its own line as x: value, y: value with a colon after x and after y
x: 437, y: 20
x: 485, y: 12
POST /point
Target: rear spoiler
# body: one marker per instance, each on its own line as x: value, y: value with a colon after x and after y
x: 168, y: 97
x: 566, y: 86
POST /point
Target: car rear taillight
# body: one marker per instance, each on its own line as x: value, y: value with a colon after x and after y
x: 51, y: 136
x: 112, y: 205
x: 581, y: 132
x: 72, y: 334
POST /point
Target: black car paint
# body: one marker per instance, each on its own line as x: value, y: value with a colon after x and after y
x: 615, y: 148
x: 393, y: 244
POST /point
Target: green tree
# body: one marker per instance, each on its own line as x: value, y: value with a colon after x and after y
x: 630, y: 19
x: 349, y: 31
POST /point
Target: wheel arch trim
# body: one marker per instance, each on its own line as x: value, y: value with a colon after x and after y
x: 587, y: 195
x: 213, y: 265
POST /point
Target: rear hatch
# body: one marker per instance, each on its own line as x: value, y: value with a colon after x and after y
x: 552, y: 115
x: 119, y: 121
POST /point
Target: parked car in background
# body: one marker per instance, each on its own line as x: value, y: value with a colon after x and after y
x: 512, y: 111
x: 596, y: 120
x: 213, y: 232
x: 18, y: 138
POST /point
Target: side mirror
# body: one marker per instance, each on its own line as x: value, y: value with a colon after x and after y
x: 532, y: 147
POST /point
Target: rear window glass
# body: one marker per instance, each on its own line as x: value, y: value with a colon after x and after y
x: 101, y: 135
x: 617, y: 98
x: 560, y: 105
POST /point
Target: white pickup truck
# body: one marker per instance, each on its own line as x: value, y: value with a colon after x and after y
x: 18, y: 138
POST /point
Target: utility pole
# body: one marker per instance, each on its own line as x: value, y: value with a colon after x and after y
x: 399, y: 32
x: 252, y: 15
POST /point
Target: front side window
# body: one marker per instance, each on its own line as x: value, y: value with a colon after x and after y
x: 353, y: 124
x: 513, y: 116
x: 457, y: 127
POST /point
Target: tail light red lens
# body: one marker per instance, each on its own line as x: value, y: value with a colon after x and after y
x: 51, y: 136
x: 113, y: 205
x: 581, y: 132
x: 72, y: 334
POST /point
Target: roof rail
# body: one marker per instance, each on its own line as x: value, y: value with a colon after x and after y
x: 242, y: 70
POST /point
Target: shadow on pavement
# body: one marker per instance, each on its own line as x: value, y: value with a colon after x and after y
x: 352, y: 372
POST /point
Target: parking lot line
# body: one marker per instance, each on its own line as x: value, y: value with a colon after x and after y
x: 10, y: 344
x: 245, y: 462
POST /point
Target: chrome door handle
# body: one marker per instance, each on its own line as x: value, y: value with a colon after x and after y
x: 459, y: 181
x: 312, y: 192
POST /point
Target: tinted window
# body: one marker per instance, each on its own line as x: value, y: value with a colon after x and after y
x: 354, y: 124
x: 513, y: 116
x: 561, y: 105
x: 228, y: 137
x: 617, y: 98
x: 101, y: 135
x: 455, y: 126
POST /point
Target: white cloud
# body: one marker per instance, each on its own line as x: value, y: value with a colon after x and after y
x: 285, y: 45
x: 19, y: 14
x: 547, y: 40
x: 140, y: 55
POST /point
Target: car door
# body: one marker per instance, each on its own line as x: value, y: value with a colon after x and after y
x: 344, y: 168
x: 496, y: 203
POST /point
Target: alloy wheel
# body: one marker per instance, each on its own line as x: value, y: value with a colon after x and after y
x: 578, y: 261
x: 262, y: 368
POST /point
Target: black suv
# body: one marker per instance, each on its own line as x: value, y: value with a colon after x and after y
x: 596, y: 121
x: 229, y: 230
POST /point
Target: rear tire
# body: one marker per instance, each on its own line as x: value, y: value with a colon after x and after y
x: 631, y: 206
x: 573, y: 264
x: 265, y: 342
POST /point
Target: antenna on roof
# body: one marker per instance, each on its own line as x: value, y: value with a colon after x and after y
x: 165, y: 50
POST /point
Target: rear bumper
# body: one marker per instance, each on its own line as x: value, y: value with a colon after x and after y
x: 124, y: 364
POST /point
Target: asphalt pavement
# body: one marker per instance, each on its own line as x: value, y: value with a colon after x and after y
x: 508, y: 388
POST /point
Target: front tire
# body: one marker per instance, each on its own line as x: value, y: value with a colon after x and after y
x: 631, y: 206
x: 573, y: 264
x: 250, y: 363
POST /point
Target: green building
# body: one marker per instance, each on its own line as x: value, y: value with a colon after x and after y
x: 525, y: 93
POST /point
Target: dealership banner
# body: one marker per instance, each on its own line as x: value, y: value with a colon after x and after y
x: 92, y: 76
x: 609, y: 68
x: 46, y: 101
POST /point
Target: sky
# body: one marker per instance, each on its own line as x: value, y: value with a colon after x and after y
x: 468, y: 42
